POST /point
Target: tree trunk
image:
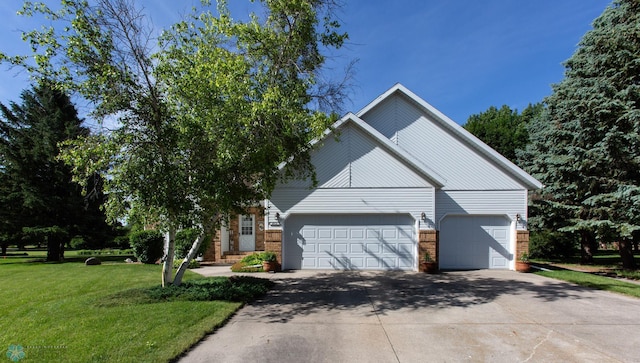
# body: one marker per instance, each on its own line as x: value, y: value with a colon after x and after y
x: 626, y: 254
x: 190, y: 256
x: 54, y: 249
x: 169, y: 252
x: 4, y: 250
x: 588, y: 247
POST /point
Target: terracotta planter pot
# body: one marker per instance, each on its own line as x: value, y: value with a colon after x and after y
x: 269, y: 266
x: 523, y: 266
x: 429, y: 267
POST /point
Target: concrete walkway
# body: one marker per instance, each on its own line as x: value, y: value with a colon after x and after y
x: 478, y: 316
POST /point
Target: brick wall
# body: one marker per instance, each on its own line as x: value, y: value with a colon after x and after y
x: 273, y: 242
x: 428, y: 241
x: 522, y: 243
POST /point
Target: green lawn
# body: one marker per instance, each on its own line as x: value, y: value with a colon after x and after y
x: 66, y: 313
x: 594, y: 281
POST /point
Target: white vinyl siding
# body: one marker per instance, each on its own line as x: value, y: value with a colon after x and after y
x: 356, y: 160
x: 494, y: 202
x: 462, y: 164
x: 412, y: 201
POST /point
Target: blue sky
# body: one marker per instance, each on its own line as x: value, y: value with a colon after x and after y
x: 461, y: 56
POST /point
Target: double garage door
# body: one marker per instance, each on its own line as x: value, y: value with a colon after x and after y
x: 349, y: 242
x: 475, y: 242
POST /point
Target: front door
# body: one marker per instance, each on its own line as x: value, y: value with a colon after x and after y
x: 247, y: 233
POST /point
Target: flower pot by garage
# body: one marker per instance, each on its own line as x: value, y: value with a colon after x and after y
x: 269, y: 266
x: 429, y: 267
x: 523, y: 266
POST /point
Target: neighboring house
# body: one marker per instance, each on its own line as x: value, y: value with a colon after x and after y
x: 395, y: 180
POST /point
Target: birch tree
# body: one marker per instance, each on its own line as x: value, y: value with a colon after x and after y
x: 205, y: 115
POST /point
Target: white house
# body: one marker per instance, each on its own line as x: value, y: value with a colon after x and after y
x: 396, y: 180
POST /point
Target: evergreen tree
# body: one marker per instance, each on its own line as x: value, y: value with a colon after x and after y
x: 40, y: 202
x: 587, y: 146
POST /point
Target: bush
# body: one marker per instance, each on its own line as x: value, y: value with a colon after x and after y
x: 148, y: 246
x: 253, y: 262
x: 242, y: 267
x: 234, y: 288
x: 104, y: 252
x: 551, y: 245
x: 121, y: 242
x: 192, y: 264
x: 184, y: 241
x: 77, y: 243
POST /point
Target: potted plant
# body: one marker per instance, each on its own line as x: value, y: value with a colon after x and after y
x: 428, y: 265
x: 523, y: 264
x: 269, y: 261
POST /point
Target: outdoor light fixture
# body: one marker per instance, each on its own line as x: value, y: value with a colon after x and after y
x: 423, y: 216
x: 518, y: 217
x: 277, y: 222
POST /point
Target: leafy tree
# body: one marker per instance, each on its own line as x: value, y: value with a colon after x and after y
x: 586, y: 146
x: 204, y: 123
x: 503, y: 129
x: 42, y: 203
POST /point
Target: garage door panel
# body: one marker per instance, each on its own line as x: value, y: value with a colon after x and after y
x: 349, y: 242
x: 341, y: 248
x: 474, y: 242
x: 373, y: 248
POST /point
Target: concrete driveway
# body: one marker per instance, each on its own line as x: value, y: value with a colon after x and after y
x: 477, y: 316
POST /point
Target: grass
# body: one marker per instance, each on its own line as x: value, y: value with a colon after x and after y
x: 594, y: 281
x: 75, y: 313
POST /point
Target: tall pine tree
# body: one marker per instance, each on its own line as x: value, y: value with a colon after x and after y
x: 40, y: 202
x: 586, y: 147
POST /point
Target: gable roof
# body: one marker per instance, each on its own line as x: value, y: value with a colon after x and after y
x: 456, y: 130
x: 351, y: 119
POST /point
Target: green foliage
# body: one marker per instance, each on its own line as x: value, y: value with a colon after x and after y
x: 503, y: 129
x: 202, y: 124
x: 246, y: 267
x: 37, y: 185
x: 584, y: 148
x: 268, y: 256
x: 147, y: 245
x: 234, y: 288
x: 253, y: 262
x: 106, y: 252
x: 184, y: 241
x: 552, y: 245
x: 77, y: 242
x: 192, y: 263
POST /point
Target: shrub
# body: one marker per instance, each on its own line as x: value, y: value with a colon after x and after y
x: 104, y: 252
x: 242, y: 267
x: 184, y: 241
x: 121, y: 242
x: 234, y: 288
x: 192, y: 264
x: 147, y: 246
x: 77, y: 243
x: 252, y: 259
x: 552, y: 245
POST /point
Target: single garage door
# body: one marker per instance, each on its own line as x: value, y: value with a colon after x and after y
x: 475, y: 242
x: 349, y: 242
